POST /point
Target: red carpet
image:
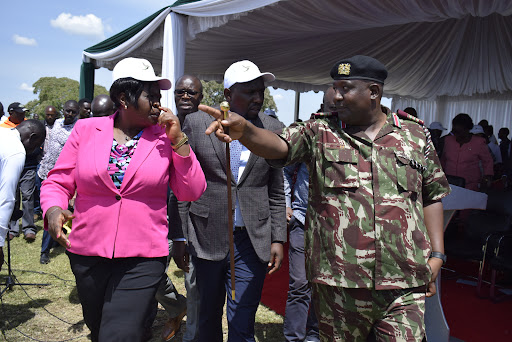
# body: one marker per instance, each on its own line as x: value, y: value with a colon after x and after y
x: 275, y: 288
x: 470, y: 318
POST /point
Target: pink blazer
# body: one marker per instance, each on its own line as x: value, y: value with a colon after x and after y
x: 131, y: 221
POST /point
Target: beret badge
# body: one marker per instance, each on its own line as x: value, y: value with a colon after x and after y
x: 344, y: 69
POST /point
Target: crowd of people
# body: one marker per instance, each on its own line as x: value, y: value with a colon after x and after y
x: 356, y: 190
x: 473, y: 153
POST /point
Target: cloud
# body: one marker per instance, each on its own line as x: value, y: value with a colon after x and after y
x: 89, y: 25
x: 26, y: 87
x: 278, y: 97
x: 23, y: 40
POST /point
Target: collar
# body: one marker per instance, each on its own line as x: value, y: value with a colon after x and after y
x: 15, y: 132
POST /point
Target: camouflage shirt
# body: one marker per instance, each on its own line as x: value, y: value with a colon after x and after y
x: 364, y: 223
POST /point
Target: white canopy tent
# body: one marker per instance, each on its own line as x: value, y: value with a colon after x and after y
x: 443, y: 56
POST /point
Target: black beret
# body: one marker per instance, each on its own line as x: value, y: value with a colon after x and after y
x: 359, y: 68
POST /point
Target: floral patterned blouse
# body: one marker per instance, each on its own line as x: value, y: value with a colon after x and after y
x: 120, y: 156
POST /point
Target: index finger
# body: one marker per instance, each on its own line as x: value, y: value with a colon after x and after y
x: 216, y: 113
x: 63, y: 240
x: 165, y: 109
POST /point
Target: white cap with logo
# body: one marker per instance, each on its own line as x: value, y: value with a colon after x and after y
x: 139, y: 69
x: 244, y: 71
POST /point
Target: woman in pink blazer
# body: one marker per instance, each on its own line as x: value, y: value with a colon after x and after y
x: 120, y: 168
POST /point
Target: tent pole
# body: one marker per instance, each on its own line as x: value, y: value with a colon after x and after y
x: 297, y: 104
x: 86, y: 88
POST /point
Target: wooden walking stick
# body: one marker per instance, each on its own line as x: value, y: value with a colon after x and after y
x: 224, y: 107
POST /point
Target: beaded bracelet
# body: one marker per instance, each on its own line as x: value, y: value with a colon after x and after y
x: 180, y: 143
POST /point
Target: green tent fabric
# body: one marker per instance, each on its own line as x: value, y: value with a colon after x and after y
x: 87, y: 69
x: 123, y: 36
x: 86, y: 81
x: 183, y: 2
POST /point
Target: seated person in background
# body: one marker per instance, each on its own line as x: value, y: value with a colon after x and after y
x: 411, y: 111
x: 463, y: 153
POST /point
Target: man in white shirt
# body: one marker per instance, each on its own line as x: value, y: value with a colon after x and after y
x: 15, y: 143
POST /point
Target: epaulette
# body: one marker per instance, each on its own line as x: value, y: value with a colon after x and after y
x: 328, y: 116
x: 405, y: 116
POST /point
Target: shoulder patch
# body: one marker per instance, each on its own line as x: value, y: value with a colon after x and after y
x: 405, y: 116
x: 396, y: 120
x: 429, y: 146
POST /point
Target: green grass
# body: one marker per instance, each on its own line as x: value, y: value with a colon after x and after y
x: 54, y: 313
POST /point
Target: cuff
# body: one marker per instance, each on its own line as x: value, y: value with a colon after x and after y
x: 3, y: 234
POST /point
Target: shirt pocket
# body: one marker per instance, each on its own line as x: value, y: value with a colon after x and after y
x: 340, y: 167
x: 409, y: 171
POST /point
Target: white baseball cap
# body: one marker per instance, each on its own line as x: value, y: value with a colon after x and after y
x: 140, y: 69
x: 477, y: 129
x: 244, y: 71
x: 437, y: 125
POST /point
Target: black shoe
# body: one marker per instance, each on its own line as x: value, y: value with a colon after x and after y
x: 45, y: 258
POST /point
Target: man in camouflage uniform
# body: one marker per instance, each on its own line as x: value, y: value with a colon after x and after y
x: 374, y: 240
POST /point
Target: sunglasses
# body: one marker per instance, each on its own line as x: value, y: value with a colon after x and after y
x: 181, y: 92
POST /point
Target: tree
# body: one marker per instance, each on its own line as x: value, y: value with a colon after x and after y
x: 55, y: 92
x: 213, y: 95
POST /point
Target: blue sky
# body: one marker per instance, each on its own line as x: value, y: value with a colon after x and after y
x: 47, y: 38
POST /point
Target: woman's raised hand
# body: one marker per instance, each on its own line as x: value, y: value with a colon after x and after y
x: 171, y: 123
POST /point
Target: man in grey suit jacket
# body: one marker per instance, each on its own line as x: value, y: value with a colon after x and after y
x: 258, y: 209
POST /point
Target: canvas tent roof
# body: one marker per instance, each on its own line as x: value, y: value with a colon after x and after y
x: 437, y: 52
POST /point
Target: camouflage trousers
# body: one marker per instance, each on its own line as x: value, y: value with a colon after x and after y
x: 351, y: 314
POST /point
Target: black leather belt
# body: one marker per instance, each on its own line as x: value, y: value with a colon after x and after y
x: 239, y: 228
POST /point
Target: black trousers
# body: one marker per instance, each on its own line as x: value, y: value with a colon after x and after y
x: 116, y: 294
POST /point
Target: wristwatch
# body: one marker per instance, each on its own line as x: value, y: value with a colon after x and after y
x: 438, y: 255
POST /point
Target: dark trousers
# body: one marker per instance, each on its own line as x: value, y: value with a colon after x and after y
x: 116, y: 294
x: 214, y: 281
x: 26, y: 186
x: 47, y: 243
x: 37, y: 193
x: 300, y: 321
